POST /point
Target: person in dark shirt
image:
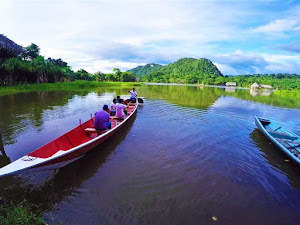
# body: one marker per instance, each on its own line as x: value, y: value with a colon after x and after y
x: 101, y: 121
x: 118, y: 99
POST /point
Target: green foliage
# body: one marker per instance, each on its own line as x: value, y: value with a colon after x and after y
x: 144, y: 70
x: 128, y: 77
x: 185, y: 70
x: 118, y: 73
x: 18, y: 215
x: 191, y: 71
x: 280, y: 80
x: 31, y: 52
x: 63, y: 86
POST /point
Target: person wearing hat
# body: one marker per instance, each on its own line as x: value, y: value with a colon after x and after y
x: 101, y: 121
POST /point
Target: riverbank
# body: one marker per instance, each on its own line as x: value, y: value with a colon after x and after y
x: 65, y: 86
x: 194, y: 85
x: 18, y: 214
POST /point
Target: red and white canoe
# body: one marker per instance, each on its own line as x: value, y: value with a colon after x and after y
x: 69, y: 146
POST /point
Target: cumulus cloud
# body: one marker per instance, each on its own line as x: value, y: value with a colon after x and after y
x: 101, y: 35
x: 280, y: 26
x: 239, y: 62
x: 248, y: 63
x: 291, y: 23
x: 292, y: 47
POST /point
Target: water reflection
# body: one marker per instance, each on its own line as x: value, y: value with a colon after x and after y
x: 232, y: 90
x: 255, y: 92
x: 20, y: 111
x: 4, y: 159
x: 188, y: 96
x: 276, y: 158
x: 44, y: 193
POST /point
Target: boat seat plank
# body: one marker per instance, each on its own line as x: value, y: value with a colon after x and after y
x: 93, y: 130
x: 117, y: 118
x: 281, y: 135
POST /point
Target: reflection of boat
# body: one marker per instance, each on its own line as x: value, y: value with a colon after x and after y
x: 69, y: 146
x: 277, y: 158
x: 286, y: 140
x: 53, y: 186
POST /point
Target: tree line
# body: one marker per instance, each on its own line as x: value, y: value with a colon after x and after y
x: 20, y: 65
x: 203, y: 71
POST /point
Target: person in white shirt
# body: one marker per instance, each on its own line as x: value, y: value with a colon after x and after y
x: 113, y: 107
x: 133, y: 94
x: 120, y: 108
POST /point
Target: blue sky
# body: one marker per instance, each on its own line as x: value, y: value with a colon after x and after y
x: 98, y: 35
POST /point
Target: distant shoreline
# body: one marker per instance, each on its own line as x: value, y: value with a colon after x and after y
x: 195, y: 85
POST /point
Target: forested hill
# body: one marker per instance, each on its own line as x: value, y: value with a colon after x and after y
x: 185, y: 70
x: 143, y: 70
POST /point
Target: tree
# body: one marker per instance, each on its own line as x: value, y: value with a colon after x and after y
x: 31, y: 52
x: 10, y: 66
x: 128, y: 77
x: 118, y: 73
x: 57, y: 62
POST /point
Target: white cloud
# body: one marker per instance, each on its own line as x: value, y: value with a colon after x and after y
x: 248, y: 63
x: 279, y: 26
x: 290, y: 23
x: 100, y: 35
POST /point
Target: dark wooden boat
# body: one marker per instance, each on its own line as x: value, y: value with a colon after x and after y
x: 284, y: 139
x: 70, y: 145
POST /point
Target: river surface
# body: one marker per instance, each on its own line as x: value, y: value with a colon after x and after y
x: 188, y: 155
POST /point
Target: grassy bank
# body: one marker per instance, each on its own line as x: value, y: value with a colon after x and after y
x: 63, y: 86
x: 18, y: 214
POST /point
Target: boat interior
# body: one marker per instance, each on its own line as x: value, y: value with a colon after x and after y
x: 77, y: 136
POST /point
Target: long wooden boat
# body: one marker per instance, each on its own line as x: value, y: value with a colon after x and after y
x: 284, y: 139
x: 70, y: 145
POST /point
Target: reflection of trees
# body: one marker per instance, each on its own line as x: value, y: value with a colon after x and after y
x: 268, y: 98
x: 194, y: 96
x: 65, y: 181
x: 276, y: 158
x: 189, y: 96
x: 16, y: 109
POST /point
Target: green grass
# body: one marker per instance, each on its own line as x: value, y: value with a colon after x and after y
x: 78, y: 85
x: 18, y: 215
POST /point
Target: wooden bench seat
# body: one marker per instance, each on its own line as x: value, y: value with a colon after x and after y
x: 93, y: 130
x: 116, y: 118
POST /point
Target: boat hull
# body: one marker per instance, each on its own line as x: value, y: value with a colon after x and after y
x: 69, y: 146
x: 287, y: 141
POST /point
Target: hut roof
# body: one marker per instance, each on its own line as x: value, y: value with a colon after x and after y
x: 8, y: 48
x: 230, y: 83
x: 255, y: 85
x: 265, y: 86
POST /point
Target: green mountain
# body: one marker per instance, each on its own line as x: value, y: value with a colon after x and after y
x: 143, y: 70
x: 185, y: 70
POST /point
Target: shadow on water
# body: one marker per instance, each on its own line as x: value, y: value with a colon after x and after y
x: 276, y: 158
x: 63, y: 181
x: 4, y: 159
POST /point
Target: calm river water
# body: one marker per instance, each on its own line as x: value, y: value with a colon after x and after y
x: 189, y: 154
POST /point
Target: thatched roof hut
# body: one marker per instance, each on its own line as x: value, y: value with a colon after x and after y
x: 8, y: 48
x: 230, y: 84
x: 254, y: 85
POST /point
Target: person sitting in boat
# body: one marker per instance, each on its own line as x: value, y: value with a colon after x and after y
x: 120, y: 109
x: 118, y: 99
x: 101, y: 121
x: 133, y: 95
x: 113, y: 107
